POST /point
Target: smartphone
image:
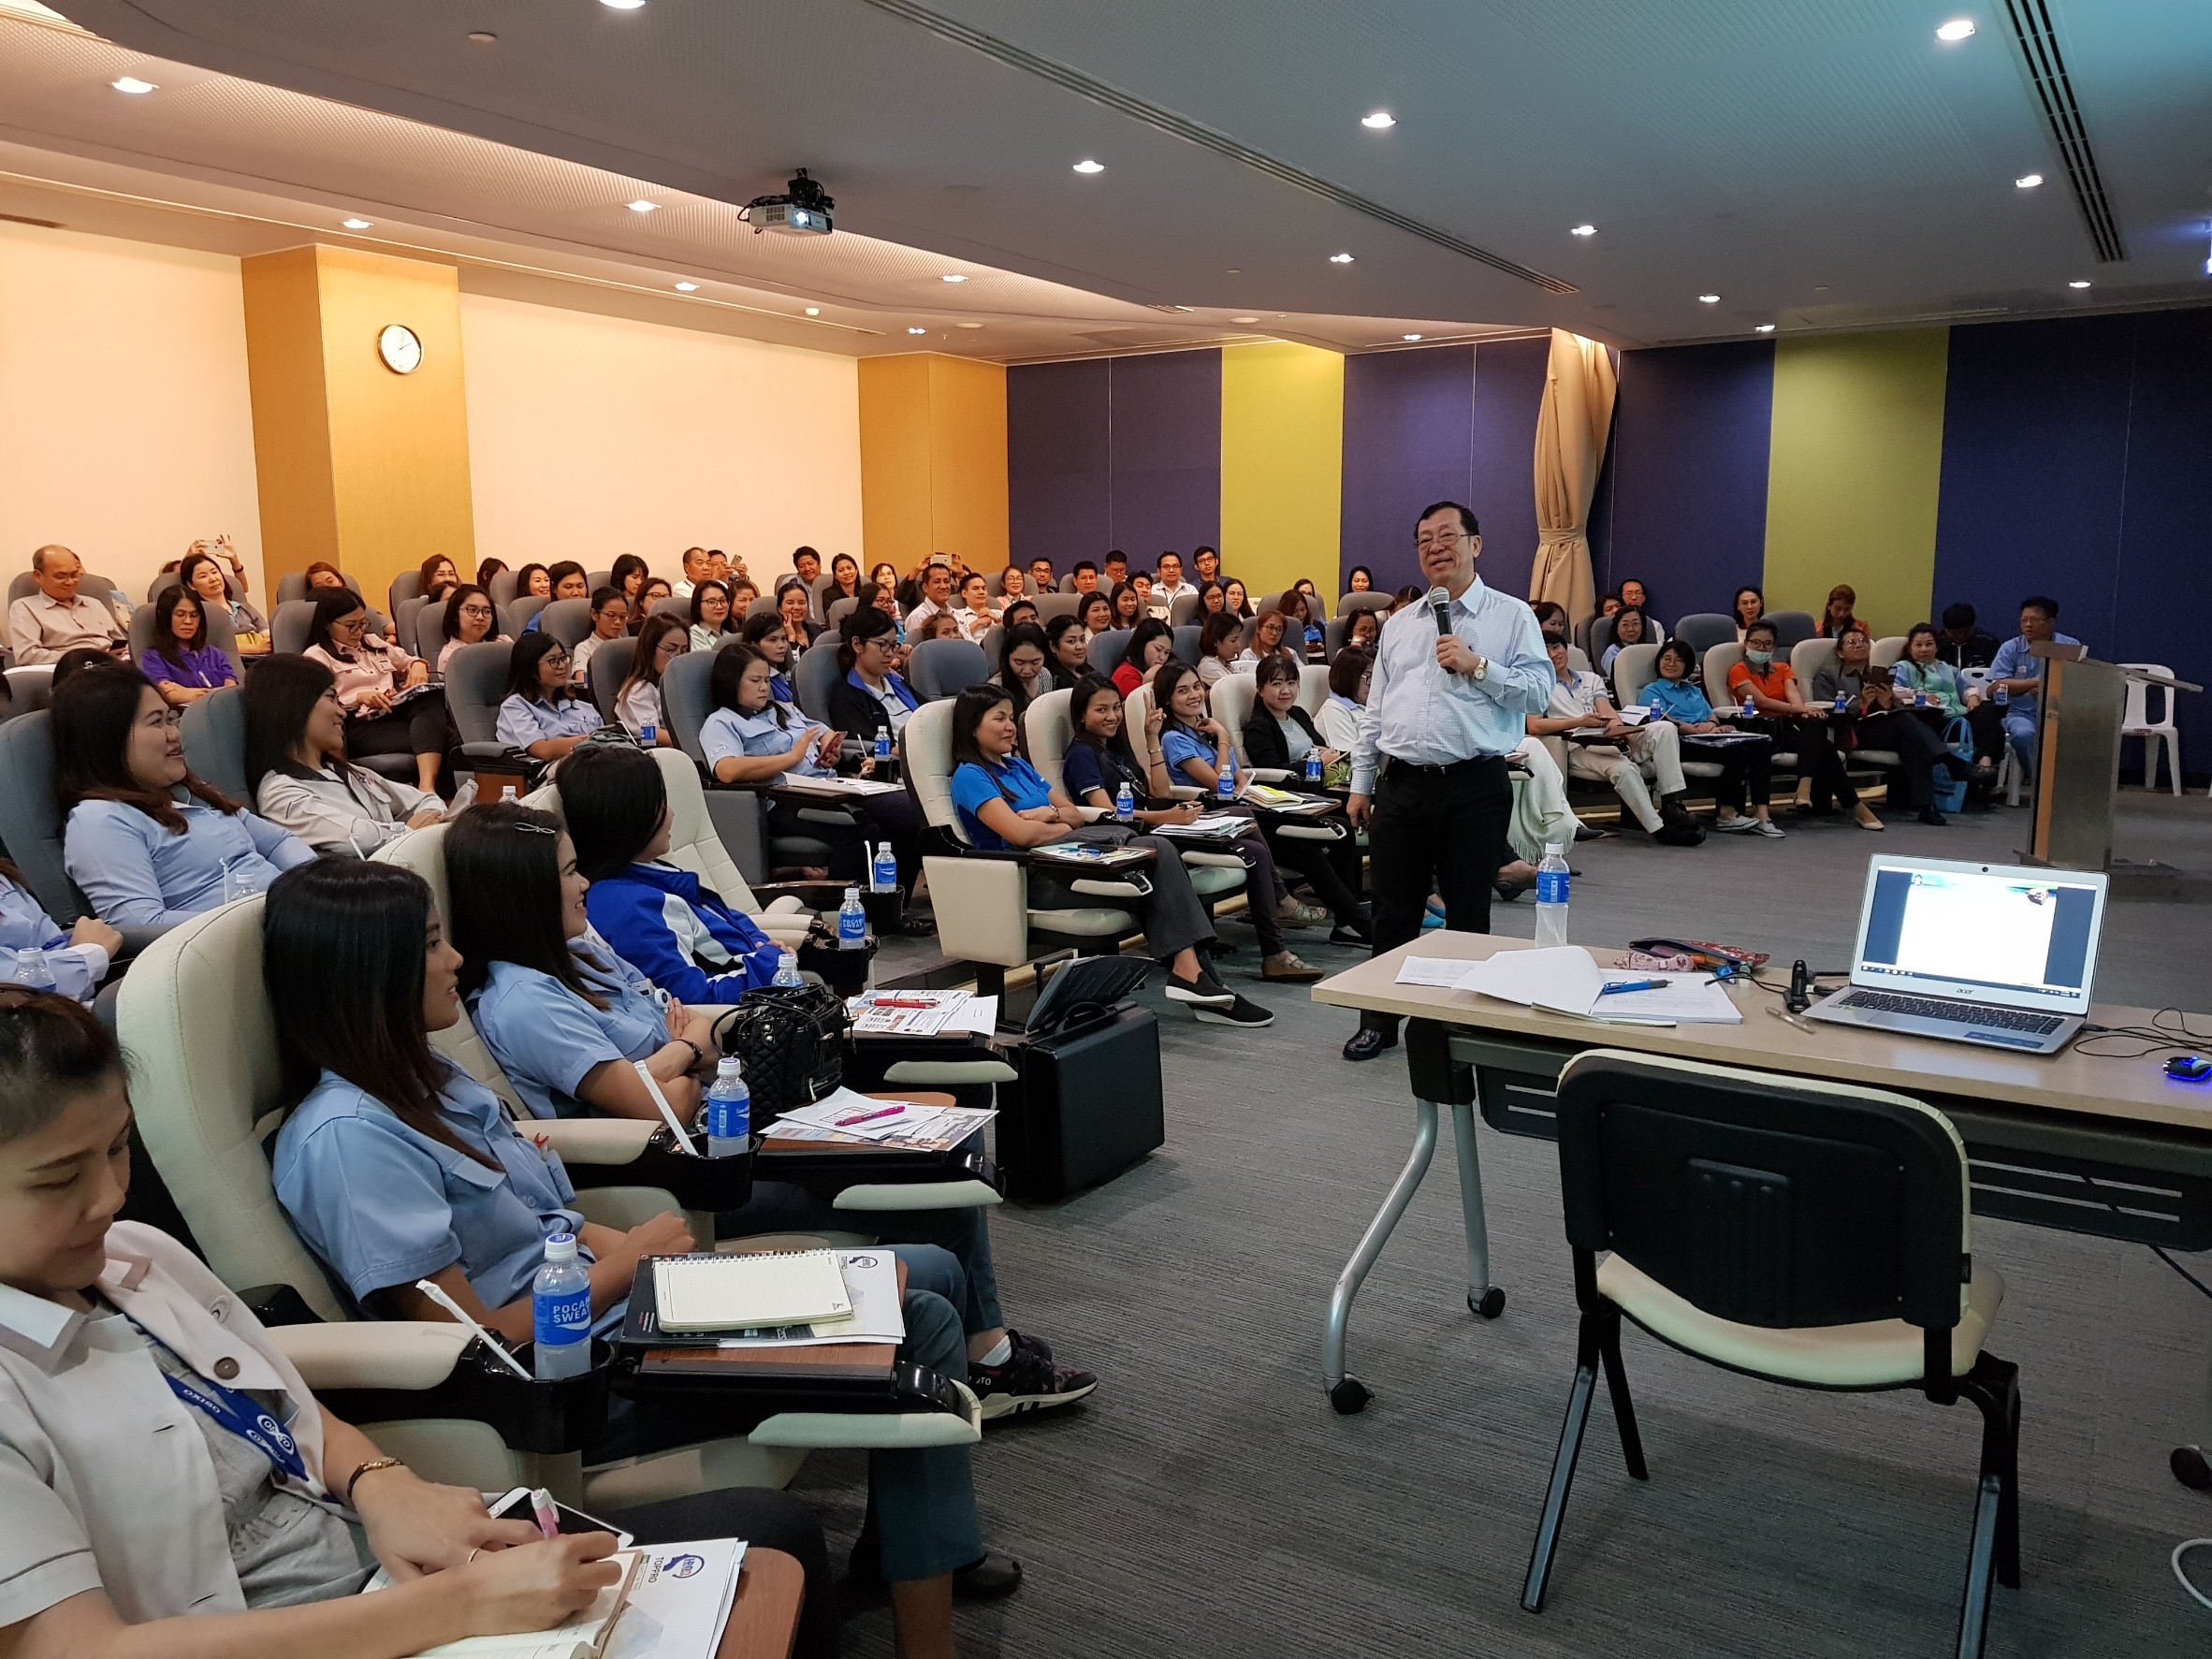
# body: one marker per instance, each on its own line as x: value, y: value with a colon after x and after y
x: 515, y: 1505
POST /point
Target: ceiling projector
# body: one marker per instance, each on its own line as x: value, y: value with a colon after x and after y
x: 803, y: 210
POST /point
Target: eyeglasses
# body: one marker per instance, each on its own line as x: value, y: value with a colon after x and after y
x: 1443, y: 543
x: 475, y: 610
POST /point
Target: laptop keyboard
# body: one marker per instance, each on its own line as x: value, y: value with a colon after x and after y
x: 1939, y: 1008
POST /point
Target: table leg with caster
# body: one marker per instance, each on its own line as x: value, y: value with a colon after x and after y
x: 1483, y: 1297
x: 1346, y: 1393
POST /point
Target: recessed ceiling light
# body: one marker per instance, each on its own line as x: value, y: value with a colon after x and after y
x: 1708, y: 299
x: 1583, y: 230
x: 356, y: 224
x: 917, y: 330
x: 1764, y: 329
x: 969, y: 324
x: 1340, y: 258
x: 1958, y: 28
x: 1409, y: 337
x: 131, y: 83
x: 1381, y: 121
x: 642, y: 206
x: 687, y: 287
x: 2077, y: 284
x: 814, y: 311
x: 1243, y: 319
x: 622, y: 5
x: 482, y: 36
x: 1088, y: 166
x: 2027, y: 180
x: 954, y: 276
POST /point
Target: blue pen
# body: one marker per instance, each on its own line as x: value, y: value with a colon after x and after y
x: 1633, y: 986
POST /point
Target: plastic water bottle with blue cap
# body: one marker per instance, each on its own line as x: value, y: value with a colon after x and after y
x: 32, y: 972
x: 883, y: 868
x: 560, y: 1312
x: 1749, y: 709
x: 787, y: 971
x: 1551, y: 897
x: 648, y: 735
x: 853, y: 922
x: 1125, y: 803
x: 2003, y: 694
x: 729, y: 1110
x: 882, y: 746
x: 1225, y: 786
x: 1313, y: 766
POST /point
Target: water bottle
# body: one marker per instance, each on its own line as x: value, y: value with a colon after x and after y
x: 1551, y: 897
x: 1225, y: 786
x: 560, y: 1312
x: 648, y: 735
x: 1125, y: 803
x: 853, y: 922
x: 787, y: 972
x: 883, y: 870
x: 2003, y: 697
x: 882, y: 746
x: 1312, y: 767
x: 1313, y: 635
x: 1749, y: 709
x: 1842, y: 702
x: 729, y: 1110
x: 507, y: 790
x: 31, y: 971
x: 240, y: 880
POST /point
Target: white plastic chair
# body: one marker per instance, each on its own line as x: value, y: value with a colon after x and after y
x: 2136, y: 723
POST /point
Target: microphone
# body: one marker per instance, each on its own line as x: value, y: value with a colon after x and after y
x: 1440, y: 603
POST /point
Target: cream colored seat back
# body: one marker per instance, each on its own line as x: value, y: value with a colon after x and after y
x: 1887, y: 652
x: 1808, y: 657
x: 1230, y: 703
x: 1313, y: 686
x: 1719, y: 659
x: 928, y: 743
x: 1049, y: 731
x: 1635, y: 667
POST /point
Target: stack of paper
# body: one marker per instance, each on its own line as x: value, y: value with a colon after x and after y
x: 680, y: 1600
x: 901, y: 1124
x: 709, y: 1292
x: 916, y: 1013
x: 1213, y: 825
x: 1566, y: 980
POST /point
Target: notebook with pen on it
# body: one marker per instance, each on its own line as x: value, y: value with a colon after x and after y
x: 585, y: 1636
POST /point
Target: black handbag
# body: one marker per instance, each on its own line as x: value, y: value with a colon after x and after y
x: 790, y: 1042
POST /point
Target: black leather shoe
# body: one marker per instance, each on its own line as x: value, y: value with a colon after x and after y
x: 992, y: 1578
x: 1367, y: 1042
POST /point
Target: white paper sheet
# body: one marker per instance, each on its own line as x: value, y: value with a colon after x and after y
x: 680, y: 1602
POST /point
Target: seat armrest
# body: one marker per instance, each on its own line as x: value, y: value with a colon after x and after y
x: 1185, y: 792
x: 1272, y: 774
x: 895, y: 1431
x: 1131, y: 892
x: 1200, y: 856
x: 602, y: 1140
x: 918, y: 1195
x: 136, y: 940
x: 408, y: 1355
x: 493, y: 752
x: 624, y: 1207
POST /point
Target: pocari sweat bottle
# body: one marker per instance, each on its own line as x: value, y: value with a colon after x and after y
x: 1125, y: 803
x: 561, y: 1304
x: 1551, y: 897
x: 729, y: 1110
x: 1225, y: 786
x: 853, y: 922
x: 883, y: 870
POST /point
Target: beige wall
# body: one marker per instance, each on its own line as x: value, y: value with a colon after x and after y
x: 125, y: 427
x: 593, y: 436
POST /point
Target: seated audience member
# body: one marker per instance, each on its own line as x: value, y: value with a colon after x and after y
x: 1303, y: 635
x: 944, y: 625
x: 767, y: 634
x: 440, y: 576
x: 1634, y: 597
x: 296, y: 768
x: 696, y: 569
x: 1609, y: 602
x: 1836, y: 615
x: 656, y: 589
x: 1349, y: 679
x: 1361, y: 580
x: 1235, y: 599
x: 795, y: 605
x: 42, y: 625
x: 1551, y: 615
x: 1745, y: 759
x: 1866, y: 716
x: 1151, y: 646
x: 1620, y: 753
x: 1003, y: 803
x: 567, y: 1020
x: 2019, y: 671
x: 147, y: 843
x: 1279, y: 734
x: 1019, y: 611
x: 1964, y: 645
x: 533, y: 581
x: 610, y: 615
x: 1041, y: 580
x: 1780, y: 711
x: 76, y: 961
x: 638, y: 703
x: 1141, y: 580
x: 871, y: 701
x: 148, y: 1514
x: 805, y: 565
x: 1205, y: 564
x: 1272, y: 636
x: 844, y: 580
x: 1095, y: 611
x: 1213, y: 599
x: 1021, y: 670
x: 1067, y: 645
x: 1629, y: 627
x: 628, y: 577
x: 568, y: 580
x: 541, y: 714
x: 179, y: 660
x: 1749, y: 606
x: 711, y: 611
x: 976, y: 614
x: 321, y: 574
x: 390, y: 705
x: 1936, y: 687
x: 1125, y: 606
x: 1362, y: 633
x: 73, y: 659
x: 936, y: 596
x: 1115, y: 572
x: 743, y: 591
x: 489, y: 568
x: 201, y: 570
x: 751, y: 740
x: 469, y: 617
x: 1086, y: 576
x: 1221, y: 641
x: 1170, y: 586
x: 662, y: 920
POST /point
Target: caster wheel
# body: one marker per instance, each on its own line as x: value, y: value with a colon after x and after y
x: 2190, y: 1467
x: 1489, y: 1305
x: 1349, y: 1396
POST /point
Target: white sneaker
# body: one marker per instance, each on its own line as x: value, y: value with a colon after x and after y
x: 1735, y: 826
x: 1765, y: 827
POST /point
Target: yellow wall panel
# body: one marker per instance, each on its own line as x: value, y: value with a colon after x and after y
x: 932, y: 459
x: 894, y: 466
x: 291, y: 416
x: 1853, y: 469
x: 1282, y: 464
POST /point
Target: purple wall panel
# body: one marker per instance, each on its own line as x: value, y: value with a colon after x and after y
x: 1165, y: 440
x: 1508, y: 397
x: 1686, y: 500
x: 1408, y: 440
x: 1059, y: 498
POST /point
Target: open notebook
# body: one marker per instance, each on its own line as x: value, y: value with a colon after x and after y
x: 582, y: 1638
x: 696, y: 1293
x: 1564, y: 979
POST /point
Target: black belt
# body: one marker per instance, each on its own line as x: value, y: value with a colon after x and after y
x: 1444, y: 768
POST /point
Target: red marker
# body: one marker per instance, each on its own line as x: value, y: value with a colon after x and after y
x: 846, y: 1123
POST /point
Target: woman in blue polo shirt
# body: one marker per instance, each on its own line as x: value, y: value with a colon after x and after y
x: 542, y: 715
x: 1745, y: 758
x: 1004, y: 803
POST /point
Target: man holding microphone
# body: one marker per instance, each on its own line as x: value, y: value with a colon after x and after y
x: 1455, y: 680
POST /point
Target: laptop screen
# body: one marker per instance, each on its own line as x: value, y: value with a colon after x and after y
x: 1988, y: 933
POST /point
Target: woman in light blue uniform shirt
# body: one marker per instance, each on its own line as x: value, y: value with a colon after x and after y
x: 542, y: 714
x: 147, y: 842
x: 78, y: 959
x: 396, y: 1167
x: 568, y: 1021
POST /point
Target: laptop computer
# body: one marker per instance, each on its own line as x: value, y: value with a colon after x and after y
x: 1973, y: 953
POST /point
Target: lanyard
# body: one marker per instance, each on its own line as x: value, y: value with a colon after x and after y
x: 237, y: 1414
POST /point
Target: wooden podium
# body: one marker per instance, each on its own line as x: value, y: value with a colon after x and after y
x: 2077, y: 762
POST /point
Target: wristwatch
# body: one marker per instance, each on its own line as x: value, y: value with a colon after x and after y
x: 1481, y: 669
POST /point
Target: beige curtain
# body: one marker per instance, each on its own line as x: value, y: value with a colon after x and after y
x: 1571, y: 430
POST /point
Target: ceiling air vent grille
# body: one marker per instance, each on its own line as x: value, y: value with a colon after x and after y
x: 2038, y: 41
x: 19, y: 219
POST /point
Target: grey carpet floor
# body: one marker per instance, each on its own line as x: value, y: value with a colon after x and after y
x: 1209, y: 1502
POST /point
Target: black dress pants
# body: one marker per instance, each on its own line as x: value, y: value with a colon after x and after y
x: 1435, y: 829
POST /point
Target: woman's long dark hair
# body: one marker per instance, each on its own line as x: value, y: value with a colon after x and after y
x: 522, y: 579
x: 561, y: 572
x: 1079, y: 702
x: 449, y: 625
x: 92, y: 714
x: 502, y: 895
x: 1172, y: 675
x: 1142, y: 634
x: 1055, y: 631
x: 648, y: 646
x: 280, y: 694
x: 758, y: 628
x: 730, y: 664
x: 330, y: 604
x: 1221, y: 625
x: 968, y: 709
x: 522, y: 668
x: 862, y: 622
x: 1113, y: 600
x: 164, y: 638
x: 1735, y: 604
x: 612, y: 799
x: 1097, y: 596
x: 837, y: 584
x: 619, y: 577
x: 343, y: 948
x: 1010, y: 640
x: 189, y: 566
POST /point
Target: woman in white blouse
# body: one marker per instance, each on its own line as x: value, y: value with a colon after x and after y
x: 296, y: 768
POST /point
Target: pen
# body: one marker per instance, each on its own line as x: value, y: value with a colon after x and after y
x: 888, y: 1002
x: 540, y: 1505
x: 846, y: 1123
x: 461, y: 1312
x: 1633, y: 986
x: 1791, y: 1019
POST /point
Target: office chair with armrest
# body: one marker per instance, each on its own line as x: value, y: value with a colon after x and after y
x: 406, y: 619
x: 606, y: 671
x: 1634, y: 670
x: 1182, y: 610
x: 1714, y: 664
x: 566, y: 620
x: 515, y: 616
x: 30, y: 688
x: 1887, y: 652
x: 1808, y: 1234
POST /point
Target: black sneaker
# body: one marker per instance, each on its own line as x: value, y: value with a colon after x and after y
x: 1028, y: 1381
x: 1204, y: 992
x: 1240, y: 1011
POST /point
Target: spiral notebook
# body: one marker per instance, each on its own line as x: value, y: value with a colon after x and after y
x: 704, y: 1293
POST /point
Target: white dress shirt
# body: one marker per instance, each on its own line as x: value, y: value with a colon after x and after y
x: 40, y: 629
x: 1426, y: 717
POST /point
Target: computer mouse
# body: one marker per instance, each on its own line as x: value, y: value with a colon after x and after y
x: 2189, y: 1067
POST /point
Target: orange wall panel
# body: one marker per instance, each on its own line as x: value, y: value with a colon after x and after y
x: 932, y: 459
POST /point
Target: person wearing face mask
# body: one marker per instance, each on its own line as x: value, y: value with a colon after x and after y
x: 1782, y: 712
